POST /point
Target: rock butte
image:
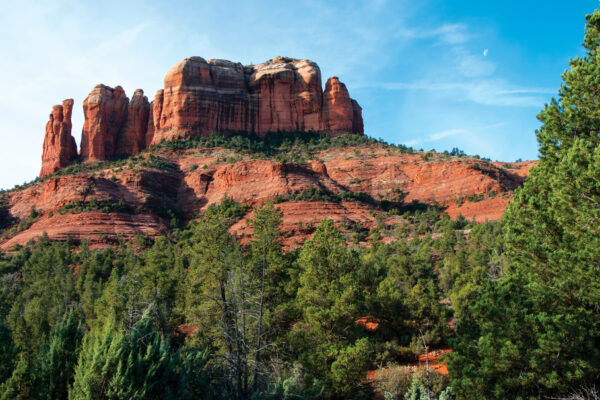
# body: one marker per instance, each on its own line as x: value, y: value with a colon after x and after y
x: 202, y: 98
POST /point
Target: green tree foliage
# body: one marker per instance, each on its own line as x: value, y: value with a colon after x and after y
x: 267, y: 275
x: 330, y: 300
x: 57, y: 359
x: 7, y: 352
x: 217, y: 285
x: 536, y: 331
x: 409, y: 294
x: 19, y: 385
x: 140, y: 364
x: 278, y: 325
x: 47, y: 295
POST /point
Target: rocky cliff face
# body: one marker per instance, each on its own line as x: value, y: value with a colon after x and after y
x: 340, y: 112
x: 289, y: 95
x: 203, y: 97
x: 132, y: 136
x: 113, y: 124
x: 105, y: 111
x: 59, y: 146
x: 103, y: 203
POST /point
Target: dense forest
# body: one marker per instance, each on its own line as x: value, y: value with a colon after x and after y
x: 202, y: 314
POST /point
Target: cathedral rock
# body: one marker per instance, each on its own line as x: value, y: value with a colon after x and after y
x: 203, y: 98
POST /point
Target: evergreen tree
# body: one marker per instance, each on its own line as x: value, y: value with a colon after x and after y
x: 330, y: 300
x: 219, y: 296
x: 7, y: 352
x: 20, y: 384
x: 268, y: 278
x: 57, y: 359
x: 140, y: 364
x: 536, y: 331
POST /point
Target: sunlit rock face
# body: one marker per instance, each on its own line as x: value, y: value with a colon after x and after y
x: 105, y: 111
x: 203, y: 98
x: 132, y: 137
x: 59, y: 146
x: 206, y: 97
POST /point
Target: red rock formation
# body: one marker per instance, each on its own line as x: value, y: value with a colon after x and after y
x: 205, y: 97
x: 105, y: 110
x: 209, y: 97
x: 338, y: 108
x: 132, y: 138
x: 59, y: 146
x: 357, y: 120
x: 201, y: 98
x: 300, y: 218
x: 95, y: 227
x: 487, y: 209
x: 289, y: 95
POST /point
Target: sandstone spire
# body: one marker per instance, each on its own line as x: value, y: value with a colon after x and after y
x: 59, y: 146
x: 105, y: 111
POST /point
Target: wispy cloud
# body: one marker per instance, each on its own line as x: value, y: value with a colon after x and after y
x: 471, y: 133
x: 434, y: 137
x: 485, y: 92
x: 446, y: 33
x: 452, y: 34
x: 471, y: 65
x: 463, y: 73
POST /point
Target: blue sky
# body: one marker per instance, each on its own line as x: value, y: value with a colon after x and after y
x: 429, y: 74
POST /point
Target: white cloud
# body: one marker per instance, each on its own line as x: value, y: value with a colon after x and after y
x: 452, y: 34
x: 485, y: 52
x: 447, y: 33
x: 446, y: 133
x: 473, y: 135
x: 490, y: 92
x: 437, y: 136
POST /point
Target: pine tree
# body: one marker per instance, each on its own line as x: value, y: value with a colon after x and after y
x: 57, y: 359
x: 330, y: 300
x: 19, y: 385
x: 268, y: 276
x: 140, y: 364
x: 7, y: 352
x: 217, y: 299
x: 536, y: 331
